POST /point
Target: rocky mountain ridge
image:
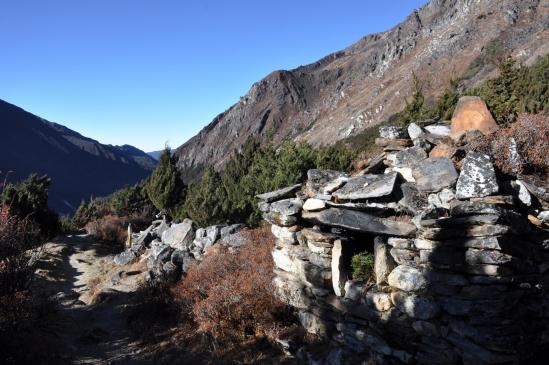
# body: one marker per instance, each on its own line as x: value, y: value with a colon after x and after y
x: 79, y: 166
x: 364, y: 84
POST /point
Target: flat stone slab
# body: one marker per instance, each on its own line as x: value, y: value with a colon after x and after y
x: 367, y: 187
x: 384, y: 142
x: 360, y: 221
x: 410, y: 157
x: 435, y: 174
x: 477, y: 178
x: 279, y: 194
x: 318, y: 180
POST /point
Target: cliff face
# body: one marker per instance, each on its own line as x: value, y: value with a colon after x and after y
x: 364, y: 84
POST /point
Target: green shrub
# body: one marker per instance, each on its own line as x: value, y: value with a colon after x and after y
x: 363, y: 266
x: 29, y: 199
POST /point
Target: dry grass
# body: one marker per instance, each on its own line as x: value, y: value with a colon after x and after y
x: 111, y: 229
x: 531, y: 134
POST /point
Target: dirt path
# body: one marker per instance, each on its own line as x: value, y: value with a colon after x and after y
x: 94, y: 300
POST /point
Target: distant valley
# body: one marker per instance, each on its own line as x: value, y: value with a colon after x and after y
x: 80, y: 167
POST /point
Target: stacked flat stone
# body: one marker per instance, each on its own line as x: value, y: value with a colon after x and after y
x: 459, y: 269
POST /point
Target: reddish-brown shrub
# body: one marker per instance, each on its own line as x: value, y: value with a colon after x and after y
x: 18, y: 254
x: 531, y: 135
x: 111, y: 228
x: 229, y: 295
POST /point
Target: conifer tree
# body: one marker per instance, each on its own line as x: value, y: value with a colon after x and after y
x: 165, y: 188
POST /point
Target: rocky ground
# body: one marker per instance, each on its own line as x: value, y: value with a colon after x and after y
x: 95, y: 302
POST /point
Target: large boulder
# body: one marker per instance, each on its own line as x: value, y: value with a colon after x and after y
x: 435, y: 174
x: 472, y: 113
x: 179, y: 236
x: 232, y: 229
x: 410, y: 157
x: 477, y: 178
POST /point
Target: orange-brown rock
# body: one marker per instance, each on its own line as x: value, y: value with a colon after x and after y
x: 472, y: 113
x: 442, y: 150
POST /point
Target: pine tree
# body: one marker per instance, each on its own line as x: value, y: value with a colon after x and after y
x: 165, y: 188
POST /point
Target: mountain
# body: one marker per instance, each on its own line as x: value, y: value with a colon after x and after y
x: 156, y: 154
x: 79, y: 166
x: 364, y: 84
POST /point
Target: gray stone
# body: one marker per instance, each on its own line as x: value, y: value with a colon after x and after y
x: 279, y: 194
x: 179, y: 236
x: 284, y: 234
x: 379, y: 301
x: 441, y: 199
x: 232, y: 229
x: 159, y: 254
x: 383, y: 261
x: 200, y: 233
x: 523, y: 193
x: 412, y: 199
x: 339, y: 269
x: 397, y: 242
x: 475, y: 256
x: 318, y: 236
x: 213, y: 232
x: 439, y: 130
x: 291, y: 292
x: 235, y: 240
x: 415, y: 306
x: 477, y: 178
x: 124, y: 258
x: 359, y: 221
x: 404, y: 256
x: 263, y: 206
x: 287, y: 206
x: 435, y: 174
x: 318, y: 179
x: 410, y: 157
x: 544, y: 216
x: 414, y: 131
x: 313, y: 324
x: 334, y: 185
x: 470, y: 231
x: 407, y: 278
x: 393, y: 132
x: 354, y: 290
x: 280, y: 219
x: 425, y: 328
x: 181, y: 259
x: 405, y: 172
x: 366, y: 187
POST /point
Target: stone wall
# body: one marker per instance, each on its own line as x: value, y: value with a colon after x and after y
x: 460, y: 270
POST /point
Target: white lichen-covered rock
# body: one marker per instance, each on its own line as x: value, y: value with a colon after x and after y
x: 414, y: 131
x: 313, y: 205
x: 439, y: 130
x: 334, y: 184
x: 477, y: 178
x: 393, y: 132
x: 379, y: 301
x: 405, y: 172
x: 523, y: 193
x: 407, y: 278
x: 179, y: 236
x: 441, y: 199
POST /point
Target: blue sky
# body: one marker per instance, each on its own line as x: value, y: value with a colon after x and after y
x: 149, y: 72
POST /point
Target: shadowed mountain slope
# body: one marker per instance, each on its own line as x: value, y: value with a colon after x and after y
x: 79, y: 166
